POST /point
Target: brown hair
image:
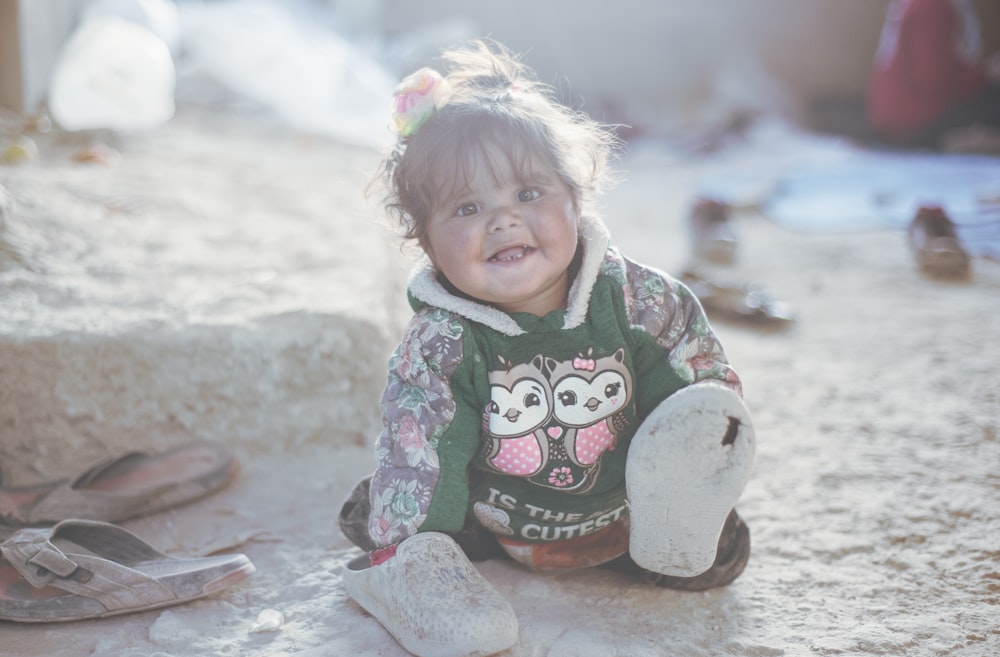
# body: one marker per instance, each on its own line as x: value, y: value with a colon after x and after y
x: 495, y: 100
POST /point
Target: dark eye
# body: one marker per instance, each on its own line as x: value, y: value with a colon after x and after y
x: 467, y: 210
x: 612, y: 389
x: 567, y: 398
x: 526, y: 195
x: 493, y: 408
x: 531, y: 399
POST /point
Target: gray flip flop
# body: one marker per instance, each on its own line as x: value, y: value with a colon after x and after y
x: 134, y: 484
x: 99, y: 569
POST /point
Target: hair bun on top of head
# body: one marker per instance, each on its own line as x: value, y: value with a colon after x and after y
x: 416, y: 98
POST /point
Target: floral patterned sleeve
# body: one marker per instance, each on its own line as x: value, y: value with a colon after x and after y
x: 418, y: 406
x: 666, y: 309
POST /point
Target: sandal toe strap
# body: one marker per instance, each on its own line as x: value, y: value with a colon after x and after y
x: 42, y: 563
x: 36, y: 558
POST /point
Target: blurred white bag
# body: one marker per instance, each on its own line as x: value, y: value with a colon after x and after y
x: 308, y: 75
x: 160, y: 16
x: 114, y: 74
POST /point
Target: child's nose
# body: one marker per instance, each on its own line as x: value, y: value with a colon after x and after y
x: 503, y: 218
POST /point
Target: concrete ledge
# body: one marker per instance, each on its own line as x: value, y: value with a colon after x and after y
x: 270, y: 385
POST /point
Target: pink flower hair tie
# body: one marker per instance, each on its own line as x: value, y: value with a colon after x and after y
x: 416, y: 98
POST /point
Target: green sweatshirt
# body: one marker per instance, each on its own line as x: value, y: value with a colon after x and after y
x: 522, y: 423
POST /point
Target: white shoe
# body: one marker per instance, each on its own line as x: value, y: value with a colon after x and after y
x: 431, y: 598
x: 687, y: 465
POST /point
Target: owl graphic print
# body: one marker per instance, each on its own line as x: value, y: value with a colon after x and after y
x: 551, y: 421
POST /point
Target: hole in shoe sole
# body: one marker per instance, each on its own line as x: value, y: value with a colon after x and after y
x: 731, y: 431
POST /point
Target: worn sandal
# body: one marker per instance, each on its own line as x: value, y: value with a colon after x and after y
x: 101, y: 570
x: 134, y: 484
x: 935, y: 244
x: 741, y: 303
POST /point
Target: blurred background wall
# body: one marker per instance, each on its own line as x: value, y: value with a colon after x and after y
x: 658, y: 52
x: 673, y: 55
x: 633, y: 60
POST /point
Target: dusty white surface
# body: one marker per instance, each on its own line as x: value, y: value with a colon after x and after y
x: 223, y: 280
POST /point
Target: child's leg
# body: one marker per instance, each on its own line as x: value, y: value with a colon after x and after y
x: 354, y: 514
x: 731, y: 558
x: 687, y: 465
x: 429, y: 596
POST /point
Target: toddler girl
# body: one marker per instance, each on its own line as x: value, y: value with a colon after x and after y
x: 551, y: 400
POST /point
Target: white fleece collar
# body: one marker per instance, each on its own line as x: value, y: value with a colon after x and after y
x: 594, y: 239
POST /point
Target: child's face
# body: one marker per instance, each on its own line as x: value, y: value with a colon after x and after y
x: 507, y: 238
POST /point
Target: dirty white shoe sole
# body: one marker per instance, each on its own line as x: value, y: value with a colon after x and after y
x: 687, y: 465
x: 431, y: 598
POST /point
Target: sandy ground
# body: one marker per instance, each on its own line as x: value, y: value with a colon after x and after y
x: 223, y: 279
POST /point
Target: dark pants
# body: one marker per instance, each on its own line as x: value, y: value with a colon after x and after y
x: 478, y: 544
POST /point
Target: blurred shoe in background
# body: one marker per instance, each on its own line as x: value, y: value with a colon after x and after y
x: 738, y: 302
x: 712, y: 235
x: 935, y: 244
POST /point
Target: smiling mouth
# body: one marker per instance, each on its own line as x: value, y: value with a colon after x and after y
x: 511, y: 254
